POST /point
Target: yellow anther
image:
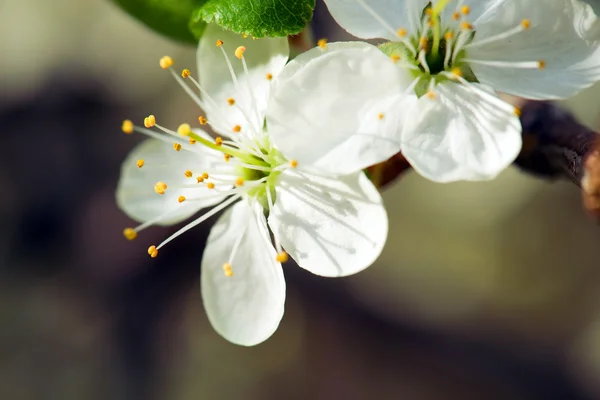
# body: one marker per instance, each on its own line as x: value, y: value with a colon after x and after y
x: 165, y: 62
x: 226, y: 157
x: 140, y: 163
x: 237, y: 129
x: 188, y: 174
x: 526, y: 24
x: 456, y: 15
x: 231, y: 101
x: 177, y: 146
x: 282, y: 257
x: 127, y: 126
x: 380, y: 116
x: 199, y: 179
x: 269, y: 76
x: 227, y: 270
x: 457, y: 72
x: 185, y: 73
x: 202, y: 120
x: 465, y: 10
x: 239, y: 182
x: 466, y: 26
x: 219, y: 141
x: 204, y: 175
x: 322, y: 43
x: 129, y: 233
x: 293, y: 163
x: 181, y: 199
x: 449, y: 35
x: 210, y: 185
x: 192, y: 141
x: 219, y: 43
x: 431, y: 94
x: 245, y: 35
x: 152, y: 251
x: 239, y: 52
x: 149, y: 121
x: 184, y: 129
x: 395, y: 57
x: 428, y: 11
x: 423, y: 42
x: 160, y: 187
x: 517, y: 111
x: 401, y: 32
x: 541, y: 64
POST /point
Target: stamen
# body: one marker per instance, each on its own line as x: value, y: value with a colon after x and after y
x: 219, y: 43
x: 239, y: 182
x: 129, y: 233
x: 239, y: 52
x: 160, y: 187
x: 205, y: 175
x: 202, y: 120
x: 401, y: 32
x: 149, y: 121
x: 231, y: 101
x: 210, y: 185
x: 380, y: 115
x: 127, y: 126
x: 269, y: 76
x: 192, y: 141
x: 282, y: 257
x: 465, y: 10
x: 322, y: 43
x: 524, y: 25
x: 199, y: 179
x: 188, y: 174
x: 508, y: 64
x: 293, y: 163
x: 227, y: 270
x: 166, y: 62
x: 237, y: 129
x: 185, y: 73
x: 199, y: 220
x: 153, y: 251
x: 140, y: 163
x: 177, y: 146
x: 181, y: 199
x: 466, y: 26
x: 218, y: 141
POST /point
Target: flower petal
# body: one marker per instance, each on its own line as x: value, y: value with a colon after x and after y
x: 556, y: 40
x: 135, y: 190
x: 263, y: 56
x: 461, y: 134
x: 340, y: 110
x: 370, y: 19
x: 329, y: 226
x: 244, y: 308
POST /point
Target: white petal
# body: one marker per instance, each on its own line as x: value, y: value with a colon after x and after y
x: 135, y: 191
x: 556, y: 37
x: 245, y: 308
x: 326, y: 112
x: 370, y: 19
x: 459, y: 135
x: 263, y: 56
x: 329, y: 226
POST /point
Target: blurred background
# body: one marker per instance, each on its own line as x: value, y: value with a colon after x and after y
x: 485, y: 290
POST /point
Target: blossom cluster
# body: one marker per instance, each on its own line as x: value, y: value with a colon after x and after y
x: 293, y: 137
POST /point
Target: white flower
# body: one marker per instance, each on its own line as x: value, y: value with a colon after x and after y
x: 289, y: 162
x: 463, y: 50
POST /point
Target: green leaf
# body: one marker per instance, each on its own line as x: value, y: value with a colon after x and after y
x: 171, y: 18
x: 258, y: 18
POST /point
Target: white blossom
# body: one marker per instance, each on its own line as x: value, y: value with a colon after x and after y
x: 460, y: 52
x: 287, y: 164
